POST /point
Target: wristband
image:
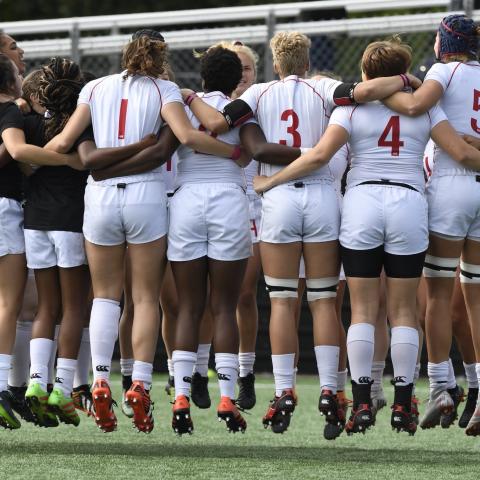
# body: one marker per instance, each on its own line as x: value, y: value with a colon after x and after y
x: 237, y: 151
x: 190, y: 99
x: 304, y: 150
x: 406, y: 81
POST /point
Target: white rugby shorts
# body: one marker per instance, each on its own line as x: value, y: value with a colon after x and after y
x: 133, y: 212
x: 393, y: 216
x: 11, y: 227
x: 309, y: 213
x: 454, y: 205
x: 46, y: 249
x: 255, y: 209
x: 209, y: 219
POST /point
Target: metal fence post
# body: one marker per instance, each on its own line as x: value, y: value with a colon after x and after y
x: 114, y: 59
x: 268, y: 65
x: 75, y: 40
x: 468, y: 7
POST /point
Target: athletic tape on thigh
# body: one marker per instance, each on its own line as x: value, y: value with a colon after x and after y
x: 318, y: 288
x: 469, y: 273
x: 440, y: 267
x: 281, y: 287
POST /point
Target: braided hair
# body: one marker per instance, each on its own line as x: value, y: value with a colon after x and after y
x: 58, y: 92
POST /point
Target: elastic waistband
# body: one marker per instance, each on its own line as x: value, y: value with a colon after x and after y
x: 388, y: 182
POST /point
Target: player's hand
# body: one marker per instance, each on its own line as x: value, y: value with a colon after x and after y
x: 23, y: 105
x: 473, y: 141
x: 415, y: 82
x: 261, y: 184
x: 186, y: 92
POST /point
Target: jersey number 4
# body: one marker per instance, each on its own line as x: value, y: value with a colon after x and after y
x: 292, y: 129
x: 393, y: 130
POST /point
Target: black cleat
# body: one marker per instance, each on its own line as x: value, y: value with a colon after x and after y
x: 246, y: 393
x: 200, y: 395
x: 8, y: 420
x: 181, y: 420
x: 334, y: 415
x: 458, y: 396
x: 360, y: 419
x: 82, y: 399
x: 469, y: 409
x: 279, y: 412
x: 403, y: 420
x: 18, y: 403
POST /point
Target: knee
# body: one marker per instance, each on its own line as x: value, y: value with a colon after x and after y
x: 247, y: 299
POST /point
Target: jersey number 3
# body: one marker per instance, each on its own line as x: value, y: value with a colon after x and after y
x: 393, y: 129
x: 292, y: 129
x: 476, y: 108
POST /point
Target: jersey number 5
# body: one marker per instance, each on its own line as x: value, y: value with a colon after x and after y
x: 476, y: 108
x: 393, y: 129
x: 292, y: 129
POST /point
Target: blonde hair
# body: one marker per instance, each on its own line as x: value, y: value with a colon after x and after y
x: 386, y: 58
x: 290, y: 51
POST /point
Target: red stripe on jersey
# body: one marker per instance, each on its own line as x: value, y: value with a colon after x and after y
x: 453, y: 73
x: 427, y: 166
x: 95, y: 86
x: 263, y: 93
x: 159, y: 94
x: 122, y: 120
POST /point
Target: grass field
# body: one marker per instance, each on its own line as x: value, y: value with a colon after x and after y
x: 211, y: 453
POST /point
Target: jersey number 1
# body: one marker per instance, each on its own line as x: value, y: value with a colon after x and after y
x: 393, y: 129
x: 292, y: 129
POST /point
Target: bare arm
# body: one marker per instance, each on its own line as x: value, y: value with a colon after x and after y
x: 473, y: 141
x: 418, y: 102
x: 382, y: 87
x: 254, y: 141
x: 76, y: 125
x: 93, y: 158
x: 14, y: 140
x: 145, y: 160
x: 332, y: 140
x: 445, y: 136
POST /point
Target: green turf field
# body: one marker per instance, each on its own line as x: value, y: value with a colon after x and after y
x: 211, y: 453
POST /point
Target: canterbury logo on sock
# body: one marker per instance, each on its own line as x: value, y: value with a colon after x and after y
x: 102, y: 368
x: 187, y: 379
x: 398, y: 380
x: 365, y: 380
x: 223, y: 376
x: 35, y: 375
x: 58, y: 380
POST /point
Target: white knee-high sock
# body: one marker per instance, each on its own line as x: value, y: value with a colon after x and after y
x: 246, y: 361
x: 126, y: 366
x: 283, y: 372
x: 183, y: 363
x: 65, y: 372
x: 18, y: 375
x: 327, y: 364
x: 103, y: 335
x: 203, y: 355
x: 438, y: 375
x: 452, y: 381
x: 142, y: 372
x: 404, y: 352
x: 360, y: 348
x: 341, y: 380
x: 378, y: 368
x: 53, y: 356
x: 84, y: 360
x: 40, y: 353
x: 226, y: 365
x: 5, y: 361
x: 470, y: 374
x: 170, y: 367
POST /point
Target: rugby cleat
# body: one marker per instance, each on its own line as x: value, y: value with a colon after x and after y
x: 125, y: 406
x: 469, y: 409
x: 63, y: 407
x: 142, y: 407
x: 199, y: 392
x: 440, y: 403
x: 103, y: 406
x: 414, y: 409
x: 402, y: 420
x: 458, y: 396
x: 8, y: 420
x: 279, y: 412
x: 473, y: 427
x: 18, y: 403
x: 246, y: 392
x: 360, y: 419
x: 170, y: 386
x: 182, y: 421
x: 37, y: 400
x: 228, y: 412
x: 378, y: 401
x: 82, y: 399
x: 328, y: 406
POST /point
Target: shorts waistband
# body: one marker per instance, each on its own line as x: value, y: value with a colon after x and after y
x: 388, y: 182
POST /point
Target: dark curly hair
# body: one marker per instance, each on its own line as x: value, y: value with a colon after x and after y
x: 221, y: 70
x: 7, y: 75
x: 58, y: 92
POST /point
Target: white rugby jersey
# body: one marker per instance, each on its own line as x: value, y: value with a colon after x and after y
x: 461, y: 104
x: 428, y: 158
x: 338, y: 164
x: 293, y: 112
x: 169, y: 171
x: 385, y: 145
x: 124, y: 111
x: 196, y: 167
x: 250, y: 171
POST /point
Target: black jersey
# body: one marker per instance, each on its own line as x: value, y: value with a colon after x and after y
x: 54, y: 195
x: 10, y: 174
